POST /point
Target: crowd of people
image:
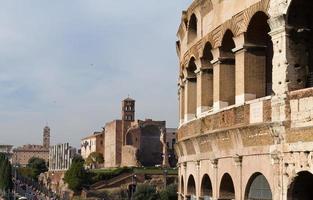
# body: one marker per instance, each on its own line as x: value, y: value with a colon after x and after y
x: 30, y: 192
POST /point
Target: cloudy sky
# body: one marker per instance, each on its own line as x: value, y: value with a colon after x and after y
x: 69, y: 64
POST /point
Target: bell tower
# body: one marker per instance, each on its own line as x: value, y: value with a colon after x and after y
x: 128, y: 116
x: 46, y: 137
x: 128, y: 109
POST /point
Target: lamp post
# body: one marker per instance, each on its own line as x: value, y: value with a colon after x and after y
x: 165, y: 172
x: 133, y: 186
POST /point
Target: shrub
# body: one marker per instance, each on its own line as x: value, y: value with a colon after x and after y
x: 76, y: 176
x: 145, y: 192
x: 169, y: 193
x: 37, y: 166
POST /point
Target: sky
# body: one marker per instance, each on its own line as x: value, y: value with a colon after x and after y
x: 69, y: 64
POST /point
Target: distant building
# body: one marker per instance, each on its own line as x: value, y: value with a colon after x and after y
x: 60, y: 157
x: 21, y: 155
x: 6, y: 149
x: 130, y: 142
x: 92, y: 143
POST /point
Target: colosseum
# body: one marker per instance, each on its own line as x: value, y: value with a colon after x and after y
x: 246, y: 100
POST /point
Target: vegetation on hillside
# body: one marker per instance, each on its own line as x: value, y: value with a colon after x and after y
x: 76, y: 176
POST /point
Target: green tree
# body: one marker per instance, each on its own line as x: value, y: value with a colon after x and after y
x: 37, y: 166
x: 76, y: 176
x: 145, y: 192
x: 2, y: 162
x: 169, y: 193
x: 5, y: 173
x: 94, y: 159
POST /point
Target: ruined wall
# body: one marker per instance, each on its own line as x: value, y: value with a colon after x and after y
x: 113, y: 144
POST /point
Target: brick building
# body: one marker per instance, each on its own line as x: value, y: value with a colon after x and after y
x: 21, y: 155
x: 130, y: 142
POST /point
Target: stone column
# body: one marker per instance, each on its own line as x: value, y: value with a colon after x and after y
x: 239, y: 191
x: 181, y: 92
x: 190, y: 98
x: 198, y: 181
x: 215, y: 184
x: 278, y: 186
x: 280, y: 64
x: 224, y: 79
x: 204, y: 90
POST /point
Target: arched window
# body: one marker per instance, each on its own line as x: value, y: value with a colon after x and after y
x: 205, y: 100
x: 301, y: 187
x: 300, y: 55
x: 258, y: 188
x: 191, y: 188
x: 191, y: 90
x: 259, y: 55
x: 227, y: 190
x: 206, y: 188
x: 192, y: 28
x: 226, y: 70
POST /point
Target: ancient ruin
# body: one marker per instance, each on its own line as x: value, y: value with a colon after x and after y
x: 246, y: 100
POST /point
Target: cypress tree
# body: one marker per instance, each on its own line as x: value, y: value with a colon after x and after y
x: 7, y: 174
x: 2, y: 167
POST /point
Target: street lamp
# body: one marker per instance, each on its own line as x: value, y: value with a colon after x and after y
x: 165, y: 172
x: 133, y: 186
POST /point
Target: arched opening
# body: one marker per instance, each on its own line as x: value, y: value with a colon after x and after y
x: 192, y: 28
x: 226, y: 70
x: 227, y: 190
x: 258, y: 188
x: 207, y: 56
x: 259, y: 55
x: 205, y: 81
x: 191, y: 188
x: 300, y: 55
x: 301, y: 187
x: 206, y: 188
x: 191, y: 90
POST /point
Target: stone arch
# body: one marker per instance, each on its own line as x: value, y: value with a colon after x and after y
x: 226, y: 70
x: 206, y: 187
x: 205, y: 86
x: 258, y: 188
x: 207, y: 56
x: 191, y: 89
x: 259, y: 56
x: 299, y: 20
x: 227, y: 189
x: 301, y: 187
x: 261, y: 6
x: 191, y: 187
x: 192, y: 28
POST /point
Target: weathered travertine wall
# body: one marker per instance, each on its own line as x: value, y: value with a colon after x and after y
x: 245, y: 99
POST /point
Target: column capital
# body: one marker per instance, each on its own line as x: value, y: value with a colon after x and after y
x: 214, y: 162
x: 216, y: 53
x: 238, y: 160
x: 240, y: 41
x: 277, y: 24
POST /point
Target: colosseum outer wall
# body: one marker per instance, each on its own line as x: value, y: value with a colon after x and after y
x: 246, y: 100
